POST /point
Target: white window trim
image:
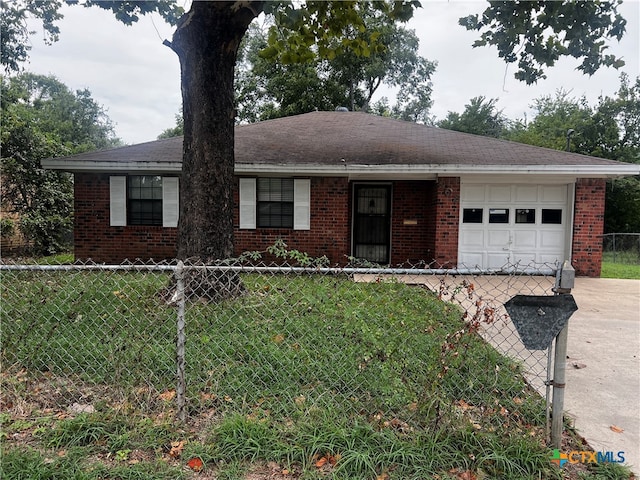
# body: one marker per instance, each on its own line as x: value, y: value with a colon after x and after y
x: 118, y: 201
x: 301, y: 203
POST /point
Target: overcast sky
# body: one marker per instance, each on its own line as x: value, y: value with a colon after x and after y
x: 137, y: 79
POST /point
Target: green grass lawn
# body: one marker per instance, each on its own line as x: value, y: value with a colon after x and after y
x: 305, y: 376
x: 620, y: 270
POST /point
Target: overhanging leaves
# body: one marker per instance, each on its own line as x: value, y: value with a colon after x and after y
x: 537, y: 34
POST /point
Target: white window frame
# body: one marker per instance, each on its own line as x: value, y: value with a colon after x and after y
x: 301, y: 203
x: 118, y: 201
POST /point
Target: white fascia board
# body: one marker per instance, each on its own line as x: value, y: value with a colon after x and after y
x: 355, y: 171
x: 433, y: 170
x: 89, y: 166
x: 310, y: 170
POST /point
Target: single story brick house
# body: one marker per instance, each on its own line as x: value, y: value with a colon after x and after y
x: 353, y: 184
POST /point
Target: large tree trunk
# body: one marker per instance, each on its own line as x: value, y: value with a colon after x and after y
x: 206, y: 41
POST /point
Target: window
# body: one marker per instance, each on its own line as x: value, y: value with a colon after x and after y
x: 552, y: 216
x: 143, y: 200
x: 498, y: 215
x: 526, y: 215
x: 275, y: 202
x: 472, y: 215
x: 144, y: 195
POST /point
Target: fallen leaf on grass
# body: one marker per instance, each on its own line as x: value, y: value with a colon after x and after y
x: 326, y: 461
x: 615, y: 428
x: 195, y: 464
x: 167, y: 396
x: 467, y: 475
x: 176, y: 449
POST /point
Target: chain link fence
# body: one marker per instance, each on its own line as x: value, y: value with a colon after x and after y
x: 621, y: 248
x: 404, y: 348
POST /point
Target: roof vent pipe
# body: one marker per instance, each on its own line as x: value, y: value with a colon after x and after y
x: 342, y: 109
x: 570, y: 132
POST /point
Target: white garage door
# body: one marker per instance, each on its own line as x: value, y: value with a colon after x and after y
x: 512, y: 224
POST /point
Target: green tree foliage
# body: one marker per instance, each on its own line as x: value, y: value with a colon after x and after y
x: 537, y: 34
x: 623, y: 195
x: 42, y: 118
x: 480, y: 117
x: 14, y: 33
x: 609, y: 129
x: 554, y: 116
x: 268, y: 88
x: 174, y: 131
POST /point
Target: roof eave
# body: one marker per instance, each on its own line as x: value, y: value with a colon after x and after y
x: 433, y: 170
x: 105, y: 166
x: 357, y: 170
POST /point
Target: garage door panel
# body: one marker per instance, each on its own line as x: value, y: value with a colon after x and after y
x: 526, y: 193
x: 552, y: 239
x: 550, y: 258
x: 497, y: 260
x: 498, y: 238
x: 473, y: 193
x: 554, y: 193
x: 500, y: 193
x: 472, y: 259
x: 524, y: 238
x: 473, y: 238
x: 524, y: 257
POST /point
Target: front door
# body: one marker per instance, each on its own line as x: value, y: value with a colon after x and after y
x: 372, y: 222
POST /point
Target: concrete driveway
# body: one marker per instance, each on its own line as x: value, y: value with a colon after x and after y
x: 603, y: 366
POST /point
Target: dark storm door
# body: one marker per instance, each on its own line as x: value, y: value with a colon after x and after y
x: 372, y: 222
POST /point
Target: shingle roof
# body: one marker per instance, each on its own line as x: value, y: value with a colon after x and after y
x: 340, y: 140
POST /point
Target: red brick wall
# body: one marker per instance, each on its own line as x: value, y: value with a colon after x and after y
x: 330, y: 219
x: 447, y: 221
x: 330, y: 232
x: 93, y: 237
x: 588, y: 226
x: 412, y: 230
x: 433, y: 206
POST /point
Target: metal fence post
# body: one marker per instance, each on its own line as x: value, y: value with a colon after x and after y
x: 180, y: 361
x: 566, y: 283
